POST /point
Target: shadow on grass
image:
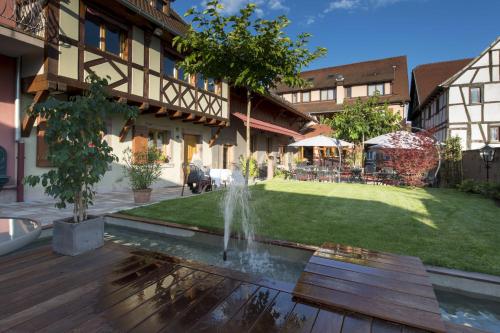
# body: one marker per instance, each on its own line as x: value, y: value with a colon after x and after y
x: 443, y: 227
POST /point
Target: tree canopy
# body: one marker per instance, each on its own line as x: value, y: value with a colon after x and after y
x: 76, y: 149
x: 254, y: 54
x: 363, y: 120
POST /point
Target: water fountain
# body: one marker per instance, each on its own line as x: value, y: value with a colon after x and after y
x: 236, y: 207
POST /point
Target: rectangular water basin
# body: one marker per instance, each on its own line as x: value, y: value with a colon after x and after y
x: 279, y: 263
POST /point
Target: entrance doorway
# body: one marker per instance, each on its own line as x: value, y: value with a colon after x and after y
x: 191, y: 148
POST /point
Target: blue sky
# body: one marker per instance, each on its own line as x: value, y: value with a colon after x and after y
x: 358, y: 30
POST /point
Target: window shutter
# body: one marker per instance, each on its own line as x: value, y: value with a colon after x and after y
x: 42, y: 148
x: 140, y: 140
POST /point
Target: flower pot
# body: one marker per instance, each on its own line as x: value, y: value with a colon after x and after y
x: 72, y: 239
x: 142, y: 196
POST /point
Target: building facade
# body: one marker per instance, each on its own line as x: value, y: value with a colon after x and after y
x: 130, y: 43
x: 331, y: 87
x: 274, y: 125
x: 460, y: 98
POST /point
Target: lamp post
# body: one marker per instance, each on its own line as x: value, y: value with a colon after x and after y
x: 487, y: 154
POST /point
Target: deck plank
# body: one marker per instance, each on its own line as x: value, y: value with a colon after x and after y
x: 328, y: 322
x: 274, y: 317
x: 377, y: 285
x: 220, y: 315
x: 300, y: 319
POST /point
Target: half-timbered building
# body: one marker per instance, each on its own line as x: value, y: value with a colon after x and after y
x: 460, y: 98
x: 274, y: 124
x: 130, y: 43
x: 331, y: 88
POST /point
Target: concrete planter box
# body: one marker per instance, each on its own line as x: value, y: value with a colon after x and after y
x: 72, y: 239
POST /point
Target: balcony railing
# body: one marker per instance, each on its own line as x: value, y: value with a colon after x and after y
x: 24, y: 15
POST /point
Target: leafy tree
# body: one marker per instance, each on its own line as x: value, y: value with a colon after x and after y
x: 452, y: 156
x: 363, y: 120
x: 412, y: 157
x: 76, y: 148
x: 254, y: 54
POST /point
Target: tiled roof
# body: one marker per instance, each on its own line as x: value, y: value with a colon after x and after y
x: 373, y: 71
x: 173, y: 22
x: 427, y: 77
x: 317, y: 129
x: 329, y: 106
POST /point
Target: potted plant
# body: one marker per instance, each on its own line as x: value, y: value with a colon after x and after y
x: 142, y: 168
x: 253, y: 172
x: 80, y: 158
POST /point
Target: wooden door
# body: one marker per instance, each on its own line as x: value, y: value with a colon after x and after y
x: 190, y: 147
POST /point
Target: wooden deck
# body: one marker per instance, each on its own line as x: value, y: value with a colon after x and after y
x: 120, y: 289
x: 380, y: 285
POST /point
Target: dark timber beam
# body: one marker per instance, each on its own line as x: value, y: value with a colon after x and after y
x: 190, y: 118
x: 212, y: 122
x: 176, y: 115
x: 126, y: 128
x: 212, y: 141
x: 144, y: 107
x: 162, y: 112
x: 202, y: 120
x: 29, y: 119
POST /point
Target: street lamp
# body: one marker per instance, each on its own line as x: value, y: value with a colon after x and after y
x: 487, y: 154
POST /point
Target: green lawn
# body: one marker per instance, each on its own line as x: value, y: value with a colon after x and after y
x: 444, y: 227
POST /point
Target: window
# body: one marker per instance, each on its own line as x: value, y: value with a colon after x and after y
x: 294, y: 97
x: 328, y: 94
x: 374, y: 88
x: 105, y: 36
x: 159, y: 5
x: 200, y: 81
x: 113, y: 41
x: 92, y: 33
x: 211, y: 85
x: 429, y: 112
x: 169, y: 65
x: 475, y: 95
x: 495, y: 134
x: 437, y: 106
x: 306, y: 96
x: 181, y: 75
x: 348, y: 92
x: 161, y: 140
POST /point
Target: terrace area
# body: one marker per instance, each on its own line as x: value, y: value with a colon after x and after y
x: 123, y: 289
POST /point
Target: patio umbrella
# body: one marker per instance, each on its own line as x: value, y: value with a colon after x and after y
x: 399, y: 139
x: 323, y: 141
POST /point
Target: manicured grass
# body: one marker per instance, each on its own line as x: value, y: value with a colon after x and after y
x: 444, y: 227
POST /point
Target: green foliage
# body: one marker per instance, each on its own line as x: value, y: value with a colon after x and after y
x: 254, y: 168
x: 254, y: 54
x: 453, y: 149
x: 364, y: 120
x: 452, y: 162
x: 142, y: 168
x: 76, y: 147
x: 282, y: 174
x: 489, y: 190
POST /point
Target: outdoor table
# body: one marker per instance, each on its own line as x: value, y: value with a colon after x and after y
x: 16, y: 233
x: 220, y: 176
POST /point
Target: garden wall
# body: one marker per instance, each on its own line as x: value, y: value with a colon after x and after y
x: 475, y: 168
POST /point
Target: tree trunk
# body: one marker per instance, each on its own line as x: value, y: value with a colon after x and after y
x: 248, y: 147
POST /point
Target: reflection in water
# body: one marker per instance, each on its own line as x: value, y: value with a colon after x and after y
x: 10, y: 229
x: 469, y: 310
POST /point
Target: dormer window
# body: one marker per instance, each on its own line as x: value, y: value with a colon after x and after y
x: 161, y: 5
x: 375, y: 88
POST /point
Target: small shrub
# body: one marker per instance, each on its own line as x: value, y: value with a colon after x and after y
x: 254, y: 168
x: 142, y: 168
x: 489, y: 190
x: 282, y: 174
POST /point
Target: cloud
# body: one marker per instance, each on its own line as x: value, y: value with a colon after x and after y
x: 233, y: 6
x: 310, y: 20
x: 277, y: 5
x: 358, y: 4
x: 342, y: 4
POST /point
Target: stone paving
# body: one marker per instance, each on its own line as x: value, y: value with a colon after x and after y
x: 45, y: 211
